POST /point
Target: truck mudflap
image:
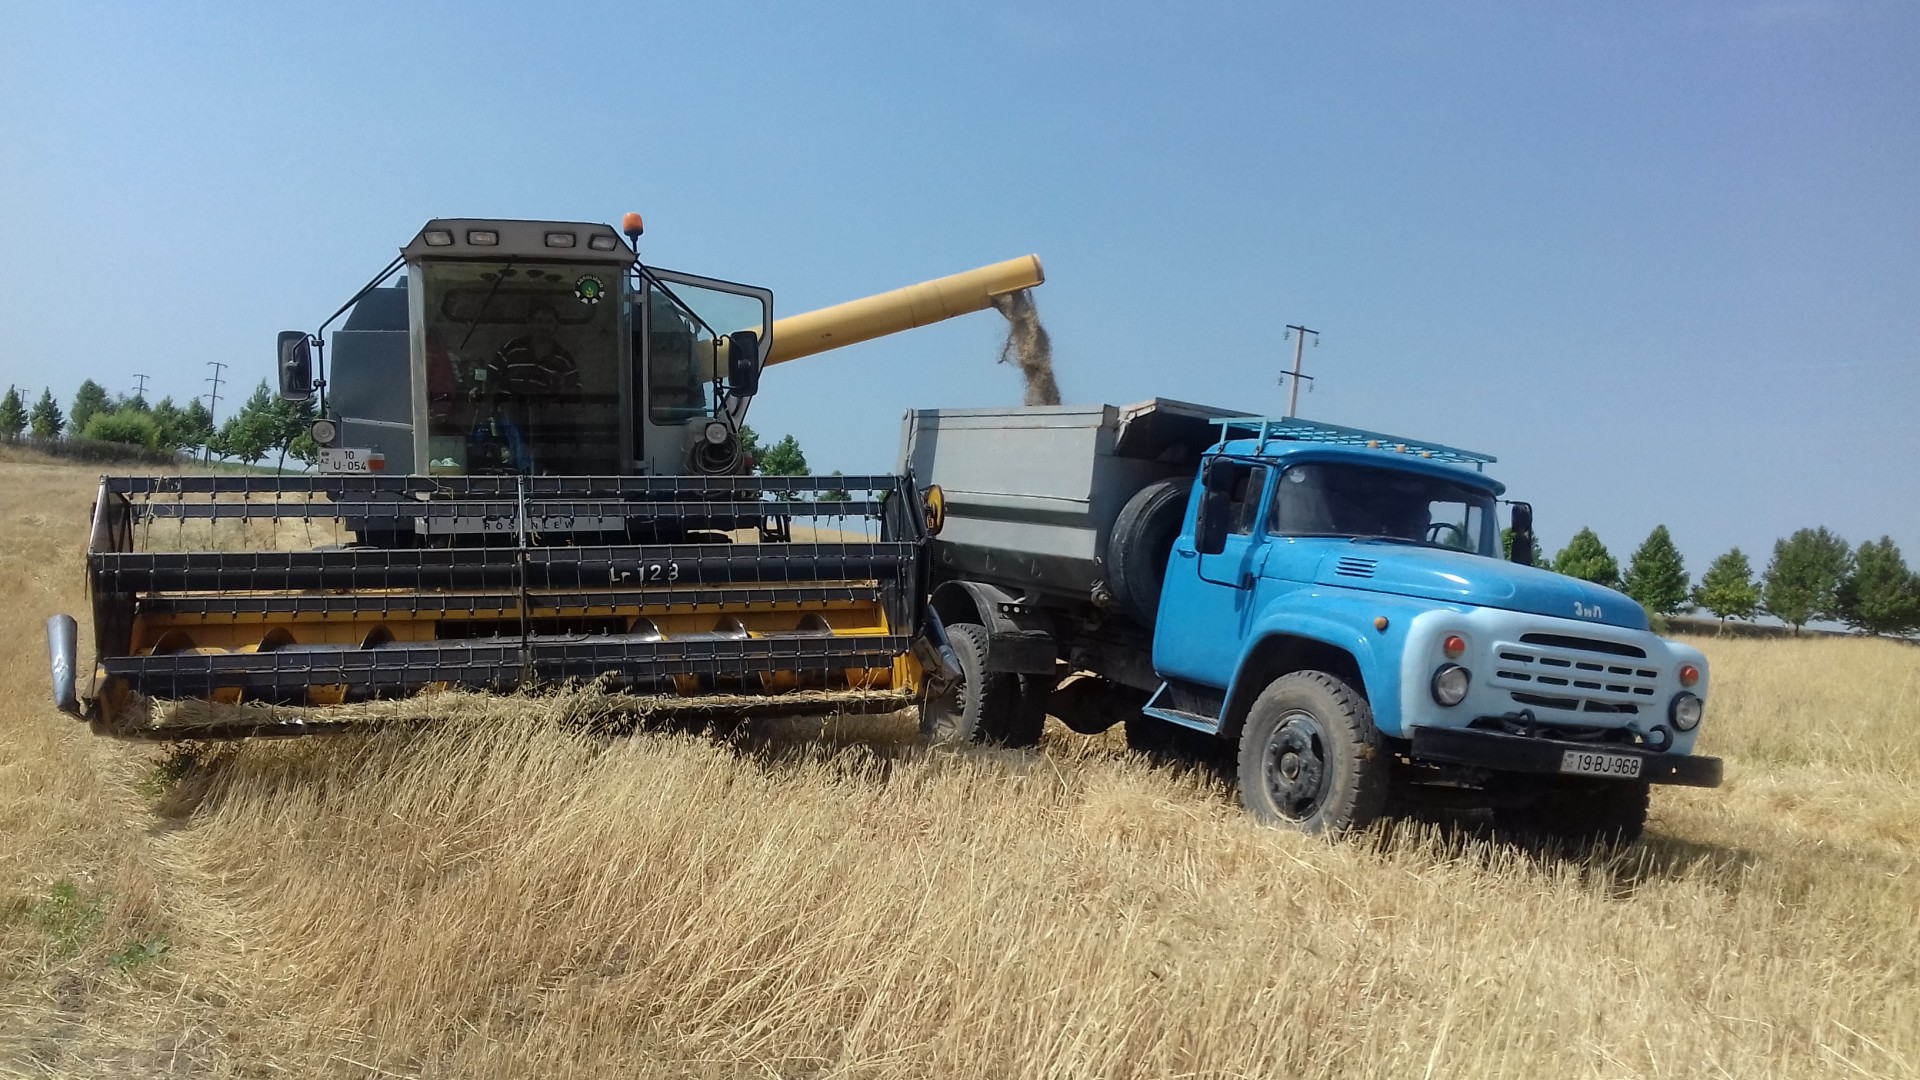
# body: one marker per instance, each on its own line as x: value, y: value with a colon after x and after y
x: 1520, y: 754
x: 704, y: 595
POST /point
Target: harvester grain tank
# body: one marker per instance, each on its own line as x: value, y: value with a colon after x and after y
x: 529, y: 471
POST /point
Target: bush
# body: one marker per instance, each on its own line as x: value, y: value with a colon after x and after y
x: 126, y: 426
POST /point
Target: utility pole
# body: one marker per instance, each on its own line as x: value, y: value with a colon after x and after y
x: 213, y: 399
x: 141, y: 393
x: 1299, y: 342
x: 213, y: 403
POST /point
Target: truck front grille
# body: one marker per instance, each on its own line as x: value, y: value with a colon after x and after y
x: 1558, y: 673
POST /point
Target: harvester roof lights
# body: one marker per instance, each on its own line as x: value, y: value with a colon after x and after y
x: 1450, y: 684
x: 438, y: 237
x: 631, y: 224
x: 1685, y: 711
x: 602, y: 242
x: 561, y: 239
x: 483, y: 237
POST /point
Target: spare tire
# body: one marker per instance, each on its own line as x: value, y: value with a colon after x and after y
x: 1141, y: 543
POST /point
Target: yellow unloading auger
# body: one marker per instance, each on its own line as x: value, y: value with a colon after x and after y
x: 467, y: 562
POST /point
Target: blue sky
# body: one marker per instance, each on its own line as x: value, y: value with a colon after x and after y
x: 1662, y: 258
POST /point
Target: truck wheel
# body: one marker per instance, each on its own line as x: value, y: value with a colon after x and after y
x: 982, y: 706
x: 1310, y: 757
x: 1142, y: 541
x: 1583, y: 812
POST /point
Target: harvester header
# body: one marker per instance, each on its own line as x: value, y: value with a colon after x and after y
x: 528, y: 471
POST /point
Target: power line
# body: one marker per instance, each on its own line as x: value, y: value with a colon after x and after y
x: 141, y: 393
x: 1299, y: 342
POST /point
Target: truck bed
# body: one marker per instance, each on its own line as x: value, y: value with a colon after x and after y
x: 1032, y: 493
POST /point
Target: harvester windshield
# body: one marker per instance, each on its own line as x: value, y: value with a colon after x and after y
x: 523, y: 368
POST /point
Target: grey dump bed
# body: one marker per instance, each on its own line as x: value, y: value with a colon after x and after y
x: 1032, y: 493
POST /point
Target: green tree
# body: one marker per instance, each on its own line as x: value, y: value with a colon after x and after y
x: 292, y: 422
x: 1727, y: 588
x: 1656, y: 575
x: 1879, y: 594
x: 13, y: 414
x: 1506, y: 549
x: 89, y: 400
x: 1586, y: 558
x: 1801, y: 582
x: 783, y: 458
x: 171, y: 420
x: 252, y: 431
x: 127, y: 426
x: 48, y: 421
x: 196, y: 425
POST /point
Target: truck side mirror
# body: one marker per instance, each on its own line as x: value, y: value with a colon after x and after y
x: 1523, y: 533
x: 743, y: 363
x: 296, y: 365
x: 1216, y: 507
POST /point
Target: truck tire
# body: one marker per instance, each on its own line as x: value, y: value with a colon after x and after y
x: 1581, y: 813
x: 1310, y: 757
x: 983, y: 706
x: 1141, y: 542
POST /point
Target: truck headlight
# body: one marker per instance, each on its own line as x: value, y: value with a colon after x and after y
x: 1450, y: 684
x: 1685, y: 711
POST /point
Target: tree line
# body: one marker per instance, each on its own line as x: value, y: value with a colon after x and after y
x: 264, y: 424
x: 1814, y: 574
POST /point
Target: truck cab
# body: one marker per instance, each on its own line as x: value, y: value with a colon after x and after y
x: 1332, y: 610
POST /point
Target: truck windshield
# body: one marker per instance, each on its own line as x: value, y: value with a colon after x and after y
x: 522, y: 368
x: 1335, y: 499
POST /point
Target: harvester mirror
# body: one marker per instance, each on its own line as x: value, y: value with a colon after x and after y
x: 1522, y: 534
x: 743, y: 363
x: 296, y: 365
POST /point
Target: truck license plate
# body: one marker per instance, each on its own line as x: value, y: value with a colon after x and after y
x: 1594, y: 763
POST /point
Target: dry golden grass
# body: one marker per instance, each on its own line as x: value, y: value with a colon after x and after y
x: 494, y: 896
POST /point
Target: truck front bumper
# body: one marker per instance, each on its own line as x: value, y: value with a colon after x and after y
x: 1519, y: 754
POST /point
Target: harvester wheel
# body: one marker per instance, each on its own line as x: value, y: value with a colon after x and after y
x: 981, y: 707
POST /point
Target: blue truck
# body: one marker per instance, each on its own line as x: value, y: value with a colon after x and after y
x: 1335, y: 611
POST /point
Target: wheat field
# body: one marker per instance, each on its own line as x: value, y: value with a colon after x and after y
x: 494, y: 895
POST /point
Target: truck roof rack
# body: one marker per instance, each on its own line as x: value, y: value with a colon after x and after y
x: 1294, y: 429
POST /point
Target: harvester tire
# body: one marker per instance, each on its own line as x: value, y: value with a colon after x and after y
x: 983, y: 706
x: 1142, y: 541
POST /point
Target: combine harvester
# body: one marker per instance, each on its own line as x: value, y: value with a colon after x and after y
x: 530, y: 472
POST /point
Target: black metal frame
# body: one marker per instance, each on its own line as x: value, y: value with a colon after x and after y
x: 519, y: 574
